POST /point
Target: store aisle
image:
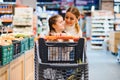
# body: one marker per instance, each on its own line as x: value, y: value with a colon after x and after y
x: 102, y: 65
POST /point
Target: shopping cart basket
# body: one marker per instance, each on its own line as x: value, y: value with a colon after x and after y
x: 61, y: 68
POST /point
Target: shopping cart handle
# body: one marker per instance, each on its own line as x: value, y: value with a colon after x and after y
x: 63, y: 65
x: 50, y: 44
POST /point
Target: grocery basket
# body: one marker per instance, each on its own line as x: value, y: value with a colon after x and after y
x: 61, y: 68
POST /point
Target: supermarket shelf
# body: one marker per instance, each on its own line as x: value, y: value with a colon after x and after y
x: 98, y: 34
x: 97, y: 29
x: 102, y: 24
x: 96, y: 42
x: 6, y: 20
x: 96, y: 38
x: 6, y: 12
x: 96, y: 47
x: 9, y: 31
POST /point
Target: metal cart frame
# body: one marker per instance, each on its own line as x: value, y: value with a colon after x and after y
x: 61, y: 69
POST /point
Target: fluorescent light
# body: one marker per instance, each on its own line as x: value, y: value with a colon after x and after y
x: 92, y: 8
x: 1, y: 1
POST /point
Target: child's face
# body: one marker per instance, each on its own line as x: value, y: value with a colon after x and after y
x: 70, y: 19
x: 59, y: 26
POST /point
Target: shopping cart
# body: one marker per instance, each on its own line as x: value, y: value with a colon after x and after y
x: 74, y: 67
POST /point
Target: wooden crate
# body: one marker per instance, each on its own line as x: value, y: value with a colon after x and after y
x: 4, y: 72
x: 21, y: 68
x: 17, y: 69
x: 29, y: 65
x: 114, y: 41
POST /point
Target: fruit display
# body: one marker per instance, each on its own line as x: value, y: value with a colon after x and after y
x: 21, y: 35
x: 13, y: 45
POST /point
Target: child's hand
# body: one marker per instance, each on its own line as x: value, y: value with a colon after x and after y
x: 63, y: 34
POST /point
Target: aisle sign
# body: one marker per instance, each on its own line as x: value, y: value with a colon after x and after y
x: 87, y: 4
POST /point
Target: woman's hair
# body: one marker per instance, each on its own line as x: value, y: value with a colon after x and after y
x: 75, y: 12
x: 52, y: 20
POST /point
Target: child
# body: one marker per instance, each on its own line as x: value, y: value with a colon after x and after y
x: 56, y: 26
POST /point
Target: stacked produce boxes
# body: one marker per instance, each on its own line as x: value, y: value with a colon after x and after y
x: 6, y: 54
x: 17, y: 46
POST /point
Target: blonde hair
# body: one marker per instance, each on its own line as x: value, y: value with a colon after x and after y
x: 76, y: 12
x: 77, y: 27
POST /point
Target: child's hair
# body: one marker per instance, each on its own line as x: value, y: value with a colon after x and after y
x: 52, y: 20
x: 76, y: 12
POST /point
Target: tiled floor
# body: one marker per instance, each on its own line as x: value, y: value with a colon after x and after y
x: 102, y: 65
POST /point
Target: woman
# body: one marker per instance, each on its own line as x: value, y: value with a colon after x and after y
x: 71, y: 22
x: 72, y: 26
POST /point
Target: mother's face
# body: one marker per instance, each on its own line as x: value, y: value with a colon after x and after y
x: 70, y: 19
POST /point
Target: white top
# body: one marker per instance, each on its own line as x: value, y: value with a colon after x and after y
x: 72, y: 31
